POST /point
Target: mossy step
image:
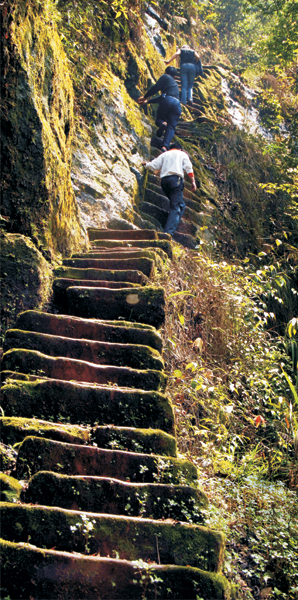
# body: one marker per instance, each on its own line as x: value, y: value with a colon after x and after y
x: 144, y: 265
x: 135, y: 440
x: 157, y: 198
x: 185, y: 240
x: 100, y: 275
x: 40, y: 454
x: 81, y: 403
x: 15, y: 429
x: 126, y: 253
x: 92, y: 329
x: 142, y: 305
x: 100, y: 353
x: 10, y: 490
x: 129, y: 538
x: 71, y: 369
x: 50, y: 575
x: 118, y: 234
x: 165, y: 245
x: 152, y: 220
x: 60, y: 286
x: 112, y: 496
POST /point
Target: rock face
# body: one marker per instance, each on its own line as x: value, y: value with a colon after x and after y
x: 37, y: 130
x: 109, y: 483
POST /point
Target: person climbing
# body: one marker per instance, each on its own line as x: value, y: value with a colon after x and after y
x: 171, y: 166
x: 169, y: 107
x: 190, y: 67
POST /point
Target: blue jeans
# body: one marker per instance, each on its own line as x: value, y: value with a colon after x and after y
x: 169, y: 110
x: 187, y: 76
x: 173, y: 186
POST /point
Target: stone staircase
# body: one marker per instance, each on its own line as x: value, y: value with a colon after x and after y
x: 107, y: 510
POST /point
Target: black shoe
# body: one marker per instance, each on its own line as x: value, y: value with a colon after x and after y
x: 160, y: 131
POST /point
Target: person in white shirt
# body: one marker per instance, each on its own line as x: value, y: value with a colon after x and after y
x: 170, y: 166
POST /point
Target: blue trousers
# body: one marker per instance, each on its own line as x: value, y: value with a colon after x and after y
x: 187, y: 76
x: 169, y: 110
x: 173, y: 186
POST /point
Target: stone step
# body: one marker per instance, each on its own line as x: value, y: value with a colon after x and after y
x: 91, y: 329
x: 15, y: 429
x: 122, y: 250
x: 143, y: 305
x: 144, y: 265
x: 41, y: 574
x: 100, y: 353
x: 165, y: 245
x: 83, y: 403
x: 70, y: 369
x: 185, y: 240
x: 117, y: 234
x: 100, y: 274
x: 132, y: 439
x: 112, y: 496
x: 154, y: 221
x: 125, y: 253
x: 66, y: 530
x: 39, y: 454
x: 61, y: 285
x: 156, y: 196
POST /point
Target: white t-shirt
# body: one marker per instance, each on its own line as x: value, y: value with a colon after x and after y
x: 172, y: 162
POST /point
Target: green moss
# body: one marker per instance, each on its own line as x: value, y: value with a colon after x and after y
x: 25, y: 277
x: 135, y: 440
x: 68, y: 530
x: 10, y: 488
x: 15, y: 429
x: 38, y: 113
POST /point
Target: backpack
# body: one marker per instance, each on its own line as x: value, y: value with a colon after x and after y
x: 199, y: 69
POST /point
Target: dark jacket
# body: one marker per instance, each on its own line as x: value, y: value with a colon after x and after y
x: 166, y: 85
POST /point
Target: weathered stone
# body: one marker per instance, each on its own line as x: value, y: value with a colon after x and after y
x: 111, y: 496
x: 10, y: 489
x: 38, y: 454
x: 133, y: 439
x: 155, y: 211
x: 185, y: 240
x: 118, y: 234
x: 65, y: 576
x: 100, y: 353
x: 164, y: 244
x: 70, y: 369
x: 144, y: 265
x: 158, y: 198
x: 81, y: 403
x: 127, y: 537
x: 125, y: 253
x: 144, y: 305
x: 15, y: 429
x: 101, y: 274
x: 60, y: 286
x: 91, y: 329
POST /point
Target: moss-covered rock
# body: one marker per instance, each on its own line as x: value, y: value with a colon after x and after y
x: 65, y: 576
x: 144, y: 305
x: 126, y: 537
x: 8, y: 457
x: 111, y: 496
x: 100, y: 353
x: 15, y: 429
x: 134, y: 439
x: 25, y: 277
x: 10, y: 489
x: 142, y: 264
x: 89, y: 404
x: 71, y: 369
x: 91, y: 329
x: 37, y: 129
x: 38, y: 454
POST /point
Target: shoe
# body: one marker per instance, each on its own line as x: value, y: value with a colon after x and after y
x: 160, y: 130
x: 190, y: 102
x: 164, y: 149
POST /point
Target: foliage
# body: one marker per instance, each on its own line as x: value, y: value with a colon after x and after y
x: 260, y: 522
